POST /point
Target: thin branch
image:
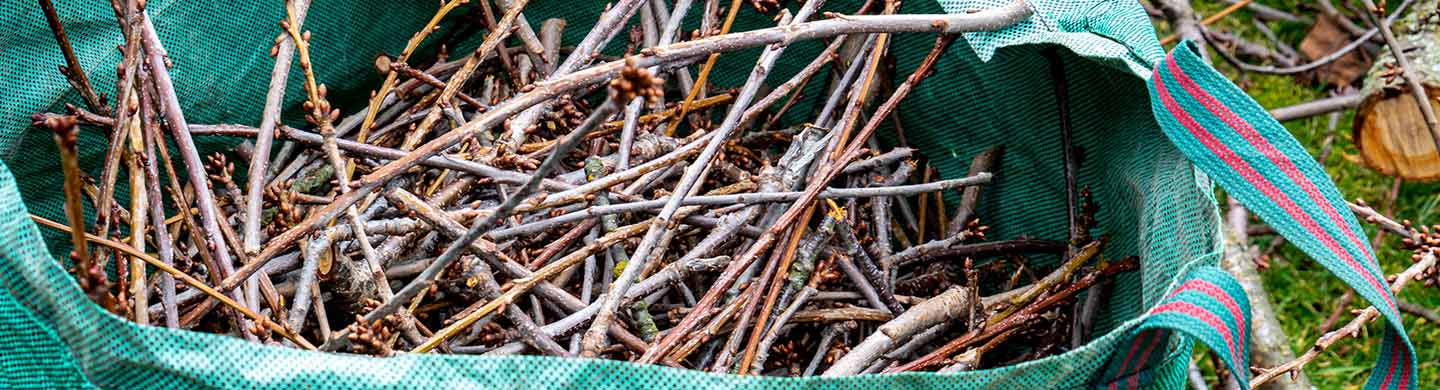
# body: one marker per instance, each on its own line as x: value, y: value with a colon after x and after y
x: 1349, y: 330
x: 949, y: 306
x: 1317, y: 107
x: 175, y: 119
x: 72, y: 69
x: 190, y: 280
x: 269, y: 119
x: 828, y: 173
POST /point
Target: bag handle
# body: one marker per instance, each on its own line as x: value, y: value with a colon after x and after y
x: 1209, y: 306
x: 1242, y: 148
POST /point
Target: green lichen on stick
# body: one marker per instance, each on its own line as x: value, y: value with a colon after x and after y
x: 594, y: 169
x: 313, y: 179
x: 644, y: 322
x: 804, y: 266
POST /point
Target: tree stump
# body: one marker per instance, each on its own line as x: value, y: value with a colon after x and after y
x: 1389, y: 130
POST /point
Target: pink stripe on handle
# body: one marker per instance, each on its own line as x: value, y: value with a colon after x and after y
x: 1397, y: 359
x: 1248, y: 173
x: 1263, y: 145
x: 1150, y: 346
x: 1205, y: 316
x: 1120, y: 371
x: 1405, y: 364
x: 1135, y: 346
x: 1214, y: 292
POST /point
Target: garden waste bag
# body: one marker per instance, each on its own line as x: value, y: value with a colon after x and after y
x: 1159, y: 131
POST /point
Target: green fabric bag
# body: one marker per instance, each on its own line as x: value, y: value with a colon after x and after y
x: 995, y: 89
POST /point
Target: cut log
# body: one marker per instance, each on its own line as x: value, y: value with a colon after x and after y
x: 1389, y: 129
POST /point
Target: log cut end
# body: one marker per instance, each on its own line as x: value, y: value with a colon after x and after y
x: 1392, y: 137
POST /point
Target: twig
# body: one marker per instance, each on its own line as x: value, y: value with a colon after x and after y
x: 796, y: 83
x: 522, y: 285
x: 269, y: 119
x: 949, y: 306
x: 1183, y: 19
x: 877, y: 277
x: 726, y: 200
x: 827, y: 173
x: 163, y: 241
x: 498, y: 32
x: 862, y: 283
x: 827, y: 337
x: 179, y: 131
x: 1368, y: 214
x: 89, y: 274
x: 1353, y: 328
x: 776, y: 329
x: 1421, y: 311
x: 880, y: 208
x: 529, y: 330
x: 322, y: 115
x: 1317, y: 107
x: 928, y: 249
x: 453, y: 251
x: 151, y: 125
x: 1270, y: 345
x: 800, y: 266
x: 190, y: 280
x: 381, y: 94
x: 925, y: 175
x: 695, y: 173
x: 1085, y: 320
x: 1023, y: 300
x: 987, y: 161
x: 139, y: 211
x: 605, y: 28
x: 72, y: 69
x: 1341, y: 307
x: 126, y: 86
x: 632, y: 110
x: 700, y: 81
x: 1000, y: 323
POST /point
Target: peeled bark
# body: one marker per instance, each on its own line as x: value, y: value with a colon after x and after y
x: 1269, y: 347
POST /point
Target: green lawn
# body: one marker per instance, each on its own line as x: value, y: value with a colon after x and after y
x: 1302, y: 291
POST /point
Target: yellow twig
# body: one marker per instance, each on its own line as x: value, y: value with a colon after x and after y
x: 704, y: 72
x: 1211, y: 19
x: 190, y: 280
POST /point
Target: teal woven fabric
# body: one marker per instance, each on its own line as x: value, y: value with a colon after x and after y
x: 994, y: 89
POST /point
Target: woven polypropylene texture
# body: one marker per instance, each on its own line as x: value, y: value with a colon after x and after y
x: 995, y: 89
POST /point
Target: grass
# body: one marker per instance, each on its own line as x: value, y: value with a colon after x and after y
x: 1303, y: 292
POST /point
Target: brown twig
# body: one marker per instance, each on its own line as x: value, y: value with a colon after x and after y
x: 383, y: 93
x: 765, y: 241
x: 175, y: 119
x: 1351, y: 329
x: 72, y: 70
x: 284, y: 52
x: 949, y: 306
x: 190, y: 280
x: 1000, y: 323
x: 89, y: 274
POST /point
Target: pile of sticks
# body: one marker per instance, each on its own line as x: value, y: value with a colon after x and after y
x: 508, y: 202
